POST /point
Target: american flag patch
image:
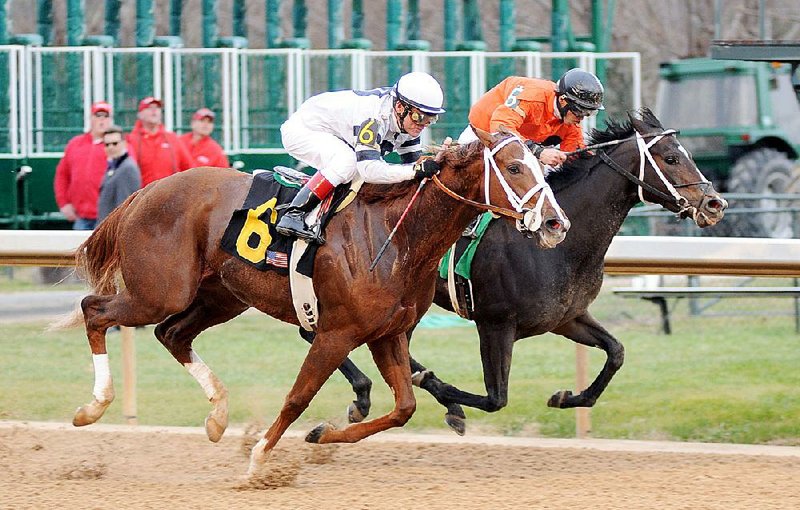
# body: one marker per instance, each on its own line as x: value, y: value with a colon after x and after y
x: 277, y: 259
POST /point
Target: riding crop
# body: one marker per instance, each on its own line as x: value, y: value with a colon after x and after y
x: 394, y: 230
x: 617, y: 142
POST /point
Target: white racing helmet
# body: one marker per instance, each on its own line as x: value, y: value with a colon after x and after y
x: 420, y: 90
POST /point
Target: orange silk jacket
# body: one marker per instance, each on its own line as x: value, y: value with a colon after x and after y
x: 526, y: 106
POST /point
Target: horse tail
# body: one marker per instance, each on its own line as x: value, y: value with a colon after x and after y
x: 97, y: 260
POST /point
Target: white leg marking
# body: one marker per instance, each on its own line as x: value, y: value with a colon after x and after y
x: 103, y: 386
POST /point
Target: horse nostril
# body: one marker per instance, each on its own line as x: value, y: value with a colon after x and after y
x: 714, y: 205
x: 554, y: 225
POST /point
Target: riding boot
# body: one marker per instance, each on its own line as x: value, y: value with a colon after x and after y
x: 310, y: 195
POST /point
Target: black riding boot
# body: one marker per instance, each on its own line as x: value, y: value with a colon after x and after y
x: 293, y: 221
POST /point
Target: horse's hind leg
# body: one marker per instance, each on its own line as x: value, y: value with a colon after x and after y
x: 361, y: 384
x: 100, y: 312
x: 391, y: 357
x: 587, y: 331
x: 212, y: 305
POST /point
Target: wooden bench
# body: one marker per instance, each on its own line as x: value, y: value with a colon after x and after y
x: 659, y: 296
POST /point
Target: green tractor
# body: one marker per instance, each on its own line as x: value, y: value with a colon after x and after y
x: 741, y: 122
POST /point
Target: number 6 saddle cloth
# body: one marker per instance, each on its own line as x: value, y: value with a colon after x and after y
x: 251, y: 235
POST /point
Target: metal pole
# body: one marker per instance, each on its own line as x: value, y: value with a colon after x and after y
x: 112, y: 19
x: 559, y: 38
x: 175, y: 9
x: 412, y: 21
x: 583, y: 417
x: 299, y: 17
x: 128, y: 375
x: 5, y: 22
x: 145, y: 30
x: 507, y: 18
x: 472, y: 21
x: 240, y: 18
x: 45, y: 21
x: 273, y: 30
x: 357, y: 20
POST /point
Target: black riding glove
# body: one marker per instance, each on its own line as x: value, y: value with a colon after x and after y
x: 535, y: 148
x: 426, y: 168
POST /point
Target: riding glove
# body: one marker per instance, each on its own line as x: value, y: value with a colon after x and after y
x: 426, y: 168
x: 535, y: 148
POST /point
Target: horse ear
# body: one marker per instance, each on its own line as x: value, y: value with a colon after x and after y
x: 486, y: 139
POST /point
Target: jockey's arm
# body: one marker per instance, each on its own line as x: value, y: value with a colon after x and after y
x: 369, y: 161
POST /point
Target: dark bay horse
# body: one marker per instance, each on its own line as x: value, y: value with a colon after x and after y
x: 157, y: 260
x: 521, y: 291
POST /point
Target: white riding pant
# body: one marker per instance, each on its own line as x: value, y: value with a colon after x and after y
x: 467, y: 136
x: 320, y: 150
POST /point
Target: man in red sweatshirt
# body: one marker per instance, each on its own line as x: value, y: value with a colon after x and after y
x: 204, y: 150
x: 81, y: 170
x: 158, y: 152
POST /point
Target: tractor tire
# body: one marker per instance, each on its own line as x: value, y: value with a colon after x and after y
x: 762, y: 172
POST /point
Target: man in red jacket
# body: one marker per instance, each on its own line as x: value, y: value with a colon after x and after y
x: 204, y: 150
x: 158, y: 152
x: 81, y: 170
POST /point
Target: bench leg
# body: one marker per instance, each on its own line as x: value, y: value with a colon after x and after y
x: 662, y: 305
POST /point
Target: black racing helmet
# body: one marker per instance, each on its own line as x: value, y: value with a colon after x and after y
x: 581, y: 89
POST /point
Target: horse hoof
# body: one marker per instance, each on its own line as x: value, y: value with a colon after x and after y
x: 215, y: 427
x: 354, y: 414
x: 315, y: 435
x: 559, y: 399
x: 417, y: 378
x: 457, y: 423
x: 258, y: 457
x: 89, y: 413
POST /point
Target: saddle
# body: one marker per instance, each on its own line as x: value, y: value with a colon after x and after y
x: 456, y: 266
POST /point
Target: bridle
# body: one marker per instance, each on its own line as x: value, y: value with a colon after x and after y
x: 681, y: 202
x: 518, y: 202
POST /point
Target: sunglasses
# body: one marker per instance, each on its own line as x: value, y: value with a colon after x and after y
x: 581, y: 112
x: 111, y: 144
x: 101, y: 115
x: 422, y: 119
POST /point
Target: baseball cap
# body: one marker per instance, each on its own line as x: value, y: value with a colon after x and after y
x: 203, y: 113
x: 101, y: 106
x: 144, y: 103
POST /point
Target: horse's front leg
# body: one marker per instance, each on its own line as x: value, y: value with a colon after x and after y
x: 361, y: 384
x: 326, y: 353
x: 497, y: 344
x: 587, y: 331
x: 391, y: 357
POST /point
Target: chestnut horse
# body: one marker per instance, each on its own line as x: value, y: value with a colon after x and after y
x: 163, y: 246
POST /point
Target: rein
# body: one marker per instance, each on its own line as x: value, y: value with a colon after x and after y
x: 644, y: 155
x: 518, y: 202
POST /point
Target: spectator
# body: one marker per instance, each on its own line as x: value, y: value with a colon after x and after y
x: 205, y: 150
x: 80, y: 171
x: 158, y: 152
x: 122, y: 176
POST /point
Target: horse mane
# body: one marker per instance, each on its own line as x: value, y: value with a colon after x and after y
x: 578, y: 167
x: 455, y: 156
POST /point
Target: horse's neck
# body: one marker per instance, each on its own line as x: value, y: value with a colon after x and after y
x: 597, y: 206
x: 437, y: 220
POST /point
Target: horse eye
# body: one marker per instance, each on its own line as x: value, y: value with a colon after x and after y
x: 671, y: 160
x: 513, y: 169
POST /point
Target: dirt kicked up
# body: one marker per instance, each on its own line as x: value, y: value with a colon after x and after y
x: 57, y: 466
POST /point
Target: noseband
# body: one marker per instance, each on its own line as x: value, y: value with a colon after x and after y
x: 645, y: 156
x: 515, y: 200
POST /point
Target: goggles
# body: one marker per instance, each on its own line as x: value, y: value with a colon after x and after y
x: 422, y: 119
x: 580, y: 111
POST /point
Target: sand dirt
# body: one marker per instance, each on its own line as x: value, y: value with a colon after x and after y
x: 57, y: 466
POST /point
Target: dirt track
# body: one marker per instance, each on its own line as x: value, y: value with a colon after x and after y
x: 52, y: 466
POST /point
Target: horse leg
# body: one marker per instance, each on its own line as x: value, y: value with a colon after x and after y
x: 497, y: 344
x: 391, y: 357
x: 324, y: 356
x: 100, y: 312
x: 455, y: 418
x: 213, y: 305
x: 361, y: 384
x: 587, y: 331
